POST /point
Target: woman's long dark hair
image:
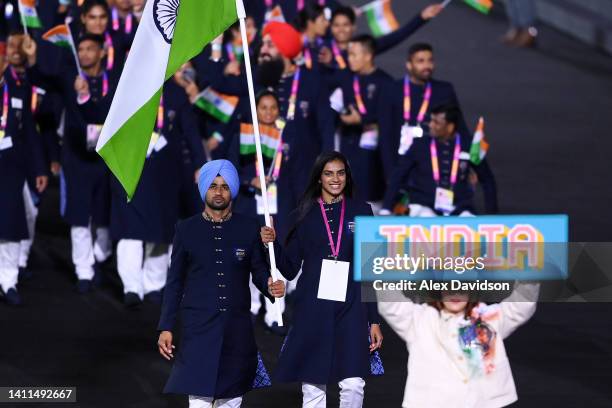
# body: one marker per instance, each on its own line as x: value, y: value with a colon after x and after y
x: 313, y: 190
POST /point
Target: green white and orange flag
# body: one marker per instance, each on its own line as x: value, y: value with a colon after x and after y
x: 59, y: 35
x: 479, y: 147
x: 484, y: 6
x: 170, y: 33
x: 216, y: 104
x: 29, y: 16
x: 270, y: 139
x: 380, y: 17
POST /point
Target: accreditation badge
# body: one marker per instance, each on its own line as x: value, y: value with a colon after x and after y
x: 369, y: 138
x: 93, y: 134
x: 6, y: 142
x: 272, y: 200
x: 333, y: 281
x: 417, y: 131
x: 444, y: 200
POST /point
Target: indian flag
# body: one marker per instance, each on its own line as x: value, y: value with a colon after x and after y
x: 170, y: 33
x: 275, y: 14
x: 484, y: 6
x: 479, y: 147
x: 59, y: 35
x: 29, y: 16
x: 216, y: 104
x: 270, y: 139
x: 380, y: 17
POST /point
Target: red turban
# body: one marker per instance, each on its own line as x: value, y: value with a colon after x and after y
x: 286, y: 38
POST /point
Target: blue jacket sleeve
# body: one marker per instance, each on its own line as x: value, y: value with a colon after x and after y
x: 385, y: 43
x: 175, y: 283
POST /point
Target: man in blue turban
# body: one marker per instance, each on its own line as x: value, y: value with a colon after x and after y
x: 211, y: 170
x: 214, y: 256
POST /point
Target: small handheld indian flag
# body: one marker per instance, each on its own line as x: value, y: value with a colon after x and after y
x: 380, y: 17
x: 275, y: 14
x: 479, y: 147
x: 270, y: 139
x: 29, y: 16
x: 170, y: 33
x: 484, y: 6
x: 218, y: 105
x: 59, y: 35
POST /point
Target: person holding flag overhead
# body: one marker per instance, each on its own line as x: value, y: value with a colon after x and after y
x: 85, y: 194
x: 437, y: 166
x: 335, y: 53
x: 21, y: 162
x: 328, y: 340
x: 213, y: 255
x: 406, y: 104
x: 144, y: 226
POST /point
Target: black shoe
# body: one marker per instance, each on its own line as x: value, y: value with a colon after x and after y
x: 12, y: 297
x: 276, y: 329
x: 25, y: 274
x: 154, y: 297
x: 131, y: 300
x: 84, y: 286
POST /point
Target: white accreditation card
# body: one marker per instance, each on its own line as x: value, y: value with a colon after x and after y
x: 444, y: 200
x: 334, y: 280
x: 93, y: 134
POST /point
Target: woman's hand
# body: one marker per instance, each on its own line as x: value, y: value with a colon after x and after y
x: 166, y: 348
x: 376, y: 337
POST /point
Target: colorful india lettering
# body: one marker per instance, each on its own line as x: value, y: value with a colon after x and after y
x: 518, y: 247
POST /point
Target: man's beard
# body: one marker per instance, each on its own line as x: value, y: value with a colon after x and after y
x: 270, y: 72
x: 217, y: 207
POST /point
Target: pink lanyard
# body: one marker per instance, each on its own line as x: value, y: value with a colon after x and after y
x: 110, y: 49
x: 334, y: 248
x: 160, y: 115
x: 34, y: 101
x: 116, y: 23
x: 357, y: 90
x: 5, y: 107
x: 293, y: 97
x: 434, y: 161
x: 269, y: 3
x: 408, y: 101
x: 338, y: 55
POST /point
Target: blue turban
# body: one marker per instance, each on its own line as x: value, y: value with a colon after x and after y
x: 223, y: 168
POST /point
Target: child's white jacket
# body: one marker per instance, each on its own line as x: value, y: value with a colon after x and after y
x: 438, y: 372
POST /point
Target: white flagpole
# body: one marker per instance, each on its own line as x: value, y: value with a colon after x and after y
x: 446, y: 3
x: 262, y: 174
x: 23, y: 20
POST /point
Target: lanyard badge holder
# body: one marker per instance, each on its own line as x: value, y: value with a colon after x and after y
x: 333, y: 281
x: 408, y: 133
x: 444, y: 199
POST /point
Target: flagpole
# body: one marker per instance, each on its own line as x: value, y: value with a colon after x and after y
x: 74, y: 51
x: 23, y: 21
x: 262, y: 174
x: 446, y: 3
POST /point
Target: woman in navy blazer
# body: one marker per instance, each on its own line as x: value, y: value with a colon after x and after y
x: 328, y: 340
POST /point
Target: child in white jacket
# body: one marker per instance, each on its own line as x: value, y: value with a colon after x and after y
x: 456, y: 350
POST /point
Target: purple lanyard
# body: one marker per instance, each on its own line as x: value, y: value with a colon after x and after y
x: 334, y: 248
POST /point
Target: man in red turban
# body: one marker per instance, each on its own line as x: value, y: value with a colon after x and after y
x: 280, y: 40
